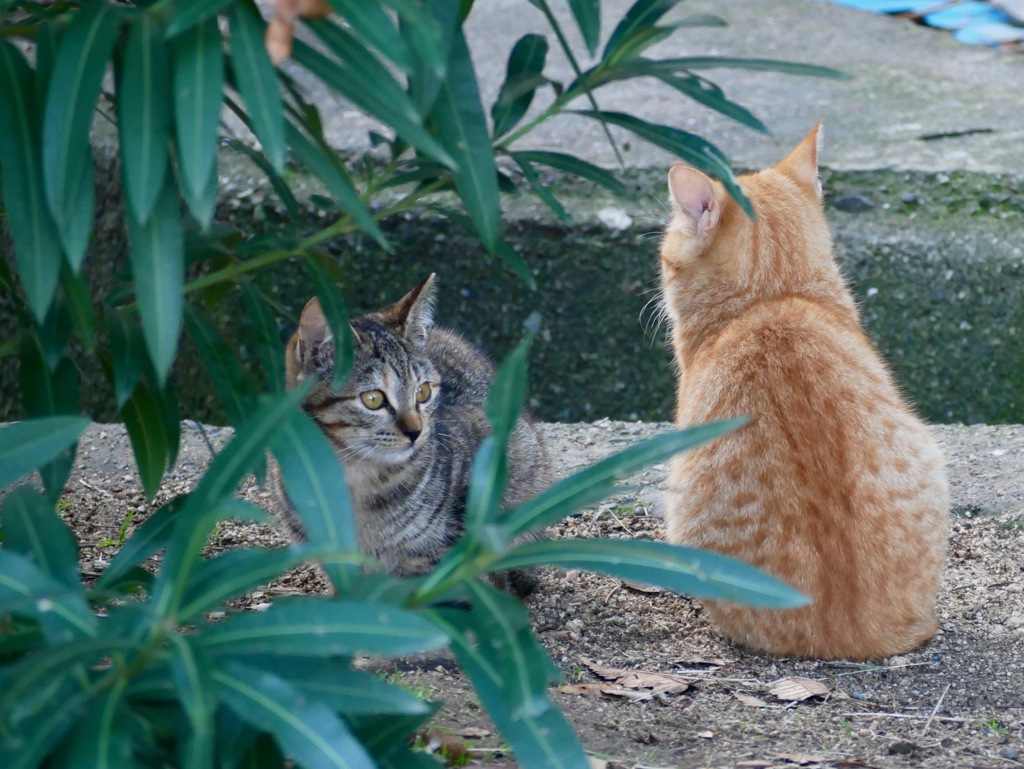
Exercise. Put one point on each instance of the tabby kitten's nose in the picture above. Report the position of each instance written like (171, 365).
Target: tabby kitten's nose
(411, 426)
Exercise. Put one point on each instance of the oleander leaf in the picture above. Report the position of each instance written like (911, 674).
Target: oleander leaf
(144, 116)
(696, 573)
(26, 446)
(37, 248)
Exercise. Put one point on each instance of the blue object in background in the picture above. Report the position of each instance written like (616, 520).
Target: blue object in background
(971, 21)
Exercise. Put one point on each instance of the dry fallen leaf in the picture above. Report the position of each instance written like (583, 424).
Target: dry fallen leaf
(751, 700)
(654, 683)
(606, 690)
(281, 29)
(754, 764)
(798, 689)
(801, 759)
(597, 763)
(706, 735)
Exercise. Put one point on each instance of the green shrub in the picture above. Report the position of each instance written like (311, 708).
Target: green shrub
(129, 671)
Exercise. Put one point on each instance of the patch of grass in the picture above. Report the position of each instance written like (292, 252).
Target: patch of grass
(625, 510)
(62, 506)
(399, 678)
(847, 727)
(1014, 524)
(121, 533)
(992, 725)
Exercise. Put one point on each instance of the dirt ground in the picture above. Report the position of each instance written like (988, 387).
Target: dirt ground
(957, 702)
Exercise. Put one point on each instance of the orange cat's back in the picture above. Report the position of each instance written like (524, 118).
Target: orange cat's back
(835, 486)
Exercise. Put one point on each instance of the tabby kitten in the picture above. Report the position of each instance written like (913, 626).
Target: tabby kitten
(405, 428)
(835, 486)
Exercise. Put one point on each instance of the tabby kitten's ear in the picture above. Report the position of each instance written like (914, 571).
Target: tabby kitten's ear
(315, 348)
(413, 314)
(801, 165)
(694, 195)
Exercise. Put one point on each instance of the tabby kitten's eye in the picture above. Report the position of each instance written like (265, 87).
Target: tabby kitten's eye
(423, 392)
(372, 399)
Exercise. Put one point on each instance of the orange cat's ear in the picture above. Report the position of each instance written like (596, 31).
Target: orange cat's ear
(801, 165)
(694, 196)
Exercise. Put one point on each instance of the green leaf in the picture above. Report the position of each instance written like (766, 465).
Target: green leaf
(41, 733)
(490, 465)
(461, 124)
(26, 446)
(195, 519)
(588, 18)
(315, 627)
(198, 85)
(386, 736)
(70, 100)
(573, 165)
(191, 672)
(36, 245)
(371, 22)
(307, 731)
(257, 80)
(315, 487)
(284, 193)
(539, 742)
(595, 482)
(234, 388)
(711, 96)
(264, 753)
(487, 478)
(188, 13)
(357, 75)
(103, 739)
(144, 116)
(333, 305)
(697, 573)
(127, 349)
(32, 528)
(640, 18)
(525, 64)
(61, 611)
(542, 192)
(268, 338)
(158, 266)
(429, 31)
(215, 580)
(764, 65)
(45, 394)
(76, 291)
(344, 690)
(150, 442)
(693, 149)
(324, 164)
(503, 628)
(152, 535)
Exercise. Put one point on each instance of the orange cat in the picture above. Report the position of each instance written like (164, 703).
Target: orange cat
(835, 486)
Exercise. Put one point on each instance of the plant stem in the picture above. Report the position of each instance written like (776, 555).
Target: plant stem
(546, 10)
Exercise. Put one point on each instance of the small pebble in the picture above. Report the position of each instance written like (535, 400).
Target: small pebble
(1009, 753)
(854, 204)
(908, 197)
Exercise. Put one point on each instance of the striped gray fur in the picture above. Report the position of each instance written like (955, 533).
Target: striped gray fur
(407, 463)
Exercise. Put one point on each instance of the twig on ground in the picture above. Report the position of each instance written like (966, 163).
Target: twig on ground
(867, 714)
(935, 710)
(96, 489)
